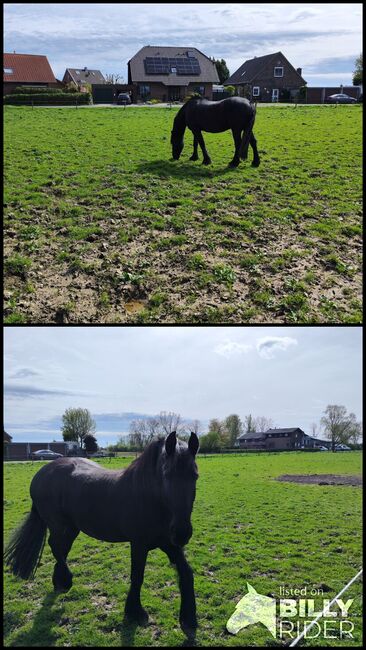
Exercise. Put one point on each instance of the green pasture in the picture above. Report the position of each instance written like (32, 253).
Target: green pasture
(247, 527)
(101, 226)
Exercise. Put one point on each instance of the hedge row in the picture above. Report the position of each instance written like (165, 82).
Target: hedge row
(49, 98)
(33, 90)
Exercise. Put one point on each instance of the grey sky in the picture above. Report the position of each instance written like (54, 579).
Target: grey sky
(289, 374)
(322, 38)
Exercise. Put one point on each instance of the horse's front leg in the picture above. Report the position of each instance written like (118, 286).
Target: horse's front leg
(253, 144)
(187, 615)
(194, 156)
(133, 608)
(201, 142)
(237, 140)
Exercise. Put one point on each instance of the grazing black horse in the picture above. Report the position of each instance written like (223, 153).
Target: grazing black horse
(235, 113)
(149, 504)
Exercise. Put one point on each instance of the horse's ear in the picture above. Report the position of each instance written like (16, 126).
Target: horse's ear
(193, 443)
(170, 443)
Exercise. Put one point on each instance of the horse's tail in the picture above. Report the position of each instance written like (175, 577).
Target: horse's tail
(243, 151)
(24, 550)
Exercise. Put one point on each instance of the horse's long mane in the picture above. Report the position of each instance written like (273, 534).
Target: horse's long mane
(147, 461)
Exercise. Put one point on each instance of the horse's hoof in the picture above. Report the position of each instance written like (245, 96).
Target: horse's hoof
(206, 162)
(139, 616)
(189, 629)
(233, 164)
(255, 163)
(193, 158)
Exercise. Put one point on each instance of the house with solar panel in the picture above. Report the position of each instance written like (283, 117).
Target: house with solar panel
(169, 74)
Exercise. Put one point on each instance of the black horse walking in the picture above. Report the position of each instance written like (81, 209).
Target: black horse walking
(149, 504)
(235, 113)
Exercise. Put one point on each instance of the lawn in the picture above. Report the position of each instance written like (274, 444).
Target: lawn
(248, 527)
(101, 226)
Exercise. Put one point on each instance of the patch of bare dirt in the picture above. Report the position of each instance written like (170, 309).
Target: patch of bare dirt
(322, 479)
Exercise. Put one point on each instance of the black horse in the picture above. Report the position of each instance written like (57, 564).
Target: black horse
(235, 113)
(149, 504)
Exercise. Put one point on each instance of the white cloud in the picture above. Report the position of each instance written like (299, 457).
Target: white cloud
(231, 348)
(269, 345)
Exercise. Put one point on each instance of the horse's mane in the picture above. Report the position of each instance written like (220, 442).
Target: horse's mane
(147, 461)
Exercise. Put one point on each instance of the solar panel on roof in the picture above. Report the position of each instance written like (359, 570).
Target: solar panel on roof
(164, 65)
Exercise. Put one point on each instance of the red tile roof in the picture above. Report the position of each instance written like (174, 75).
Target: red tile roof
(28, 68)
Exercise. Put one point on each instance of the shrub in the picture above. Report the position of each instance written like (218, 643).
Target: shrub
(33, 90)
(62, 99)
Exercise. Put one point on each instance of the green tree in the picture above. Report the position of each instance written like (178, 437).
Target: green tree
(339, 426)
(210, 442)
(358, 71)
(222, 69)
(234, 428)
(77, 424)
(230, 90)
(249, 424)
(90, 444)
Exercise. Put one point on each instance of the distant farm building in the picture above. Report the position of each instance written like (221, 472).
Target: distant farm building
(269, 78)
(170, 73)
(27, 70)
(23, 450)
(318, 95)
(280, 439)
(83, 76)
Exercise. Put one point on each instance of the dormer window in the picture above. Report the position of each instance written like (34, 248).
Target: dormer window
(278, 72)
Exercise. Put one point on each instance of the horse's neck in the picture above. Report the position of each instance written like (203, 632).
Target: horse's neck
(180, 121)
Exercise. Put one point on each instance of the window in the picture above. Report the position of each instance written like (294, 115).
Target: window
(8, 70)
(278, 72)
(173, 70)
(144, 91)
(256, 90)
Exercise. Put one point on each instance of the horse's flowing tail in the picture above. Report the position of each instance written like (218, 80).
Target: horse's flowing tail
(243, 151)
(25, 547)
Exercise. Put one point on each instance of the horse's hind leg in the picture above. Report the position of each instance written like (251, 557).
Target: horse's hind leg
(60, 540)
(253, 144)
(133, 608)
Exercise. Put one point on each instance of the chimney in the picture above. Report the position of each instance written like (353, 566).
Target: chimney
(299, 71)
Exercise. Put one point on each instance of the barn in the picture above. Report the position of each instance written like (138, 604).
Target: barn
(280, 439)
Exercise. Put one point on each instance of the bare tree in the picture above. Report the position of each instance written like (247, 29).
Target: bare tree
(249, 424)
(262, 423)
(339, 426)
(112, 78)
(170, 421)
(196, 427)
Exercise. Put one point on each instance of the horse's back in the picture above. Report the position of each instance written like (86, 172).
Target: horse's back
(232, 112)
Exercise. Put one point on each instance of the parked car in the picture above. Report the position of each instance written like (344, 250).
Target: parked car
(322, 448)
(340, 98)
(342, 447)
(124, 98)
(99, 454)
(45, 454)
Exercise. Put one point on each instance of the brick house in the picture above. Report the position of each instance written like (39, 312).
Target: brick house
(269, 78)
(27, 70)
(170, 73)
(280, 439)
(83, 76)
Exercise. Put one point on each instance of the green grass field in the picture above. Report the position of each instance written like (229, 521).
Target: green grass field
(101, 226)
(248, 527)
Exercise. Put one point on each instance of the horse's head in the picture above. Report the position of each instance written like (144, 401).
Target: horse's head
(177, 143)
(180, 474)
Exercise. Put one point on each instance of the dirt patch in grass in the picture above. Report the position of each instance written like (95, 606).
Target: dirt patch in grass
(322, 479)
